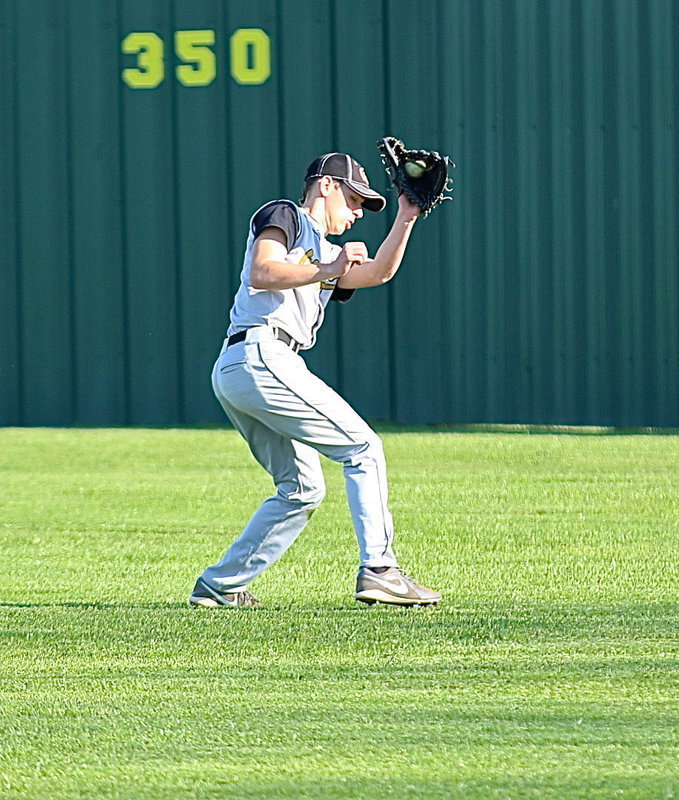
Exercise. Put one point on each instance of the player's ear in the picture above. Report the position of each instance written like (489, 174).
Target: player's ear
(325, 185)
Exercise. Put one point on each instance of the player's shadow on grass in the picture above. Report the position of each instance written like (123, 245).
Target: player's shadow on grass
(100, 606)
(265, 609)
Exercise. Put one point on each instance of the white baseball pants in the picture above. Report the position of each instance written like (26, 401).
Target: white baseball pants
(288, 416)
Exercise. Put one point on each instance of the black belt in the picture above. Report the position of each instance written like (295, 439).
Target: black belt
(278, 333)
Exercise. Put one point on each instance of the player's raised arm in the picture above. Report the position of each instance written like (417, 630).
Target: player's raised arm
(382, 268)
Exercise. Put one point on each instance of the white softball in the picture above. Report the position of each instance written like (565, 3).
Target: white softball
(415, 169)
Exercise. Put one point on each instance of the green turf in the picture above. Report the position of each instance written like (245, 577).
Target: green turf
(549, 672)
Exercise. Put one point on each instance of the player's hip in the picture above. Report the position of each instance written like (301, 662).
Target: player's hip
(244, 365)
(266, 379)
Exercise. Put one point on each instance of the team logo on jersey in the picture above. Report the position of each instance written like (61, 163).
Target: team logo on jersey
(308, 258)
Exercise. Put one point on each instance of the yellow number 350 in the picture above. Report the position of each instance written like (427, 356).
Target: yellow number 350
(250, 58)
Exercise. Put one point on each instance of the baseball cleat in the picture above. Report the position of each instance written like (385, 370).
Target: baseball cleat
(207, 597)
(392, 586)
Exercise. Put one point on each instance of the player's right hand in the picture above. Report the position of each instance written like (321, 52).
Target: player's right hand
(352, 254)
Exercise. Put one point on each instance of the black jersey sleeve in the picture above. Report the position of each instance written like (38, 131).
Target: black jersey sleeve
(278, 214)
(340, 295)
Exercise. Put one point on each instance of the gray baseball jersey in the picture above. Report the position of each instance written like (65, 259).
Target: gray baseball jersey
(300, 311)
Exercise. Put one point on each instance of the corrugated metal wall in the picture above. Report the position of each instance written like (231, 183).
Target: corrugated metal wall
(546, 292)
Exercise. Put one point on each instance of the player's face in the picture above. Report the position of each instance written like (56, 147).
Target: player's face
(342, 207)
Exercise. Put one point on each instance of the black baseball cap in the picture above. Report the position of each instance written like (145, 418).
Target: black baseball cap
(344, 168)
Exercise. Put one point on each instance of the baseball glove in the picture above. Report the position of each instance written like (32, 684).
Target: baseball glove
(421, 174)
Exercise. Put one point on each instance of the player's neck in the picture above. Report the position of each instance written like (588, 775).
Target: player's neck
(315, 211)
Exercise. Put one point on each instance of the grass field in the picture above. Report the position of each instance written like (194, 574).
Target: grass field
(550, 670)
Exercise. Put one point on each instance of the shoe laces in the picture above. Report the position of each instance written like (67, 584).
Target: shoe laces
(406, 574)
(248, 599)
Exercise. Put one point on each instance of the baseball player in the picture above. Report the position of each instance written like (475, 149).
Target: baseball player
(287, 414)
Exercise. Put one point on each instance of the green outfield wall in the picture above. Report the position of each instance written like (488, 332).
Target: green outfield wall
(138, 136)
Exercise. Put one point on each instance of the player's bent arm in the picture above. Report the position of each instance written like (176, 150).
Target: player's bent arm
(269, 270)
(382, 268)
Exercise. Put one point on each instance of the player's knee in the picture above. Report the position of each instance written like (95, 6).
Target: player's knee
(307, 497)
(370, 449)
(313, 497)
(374, 446)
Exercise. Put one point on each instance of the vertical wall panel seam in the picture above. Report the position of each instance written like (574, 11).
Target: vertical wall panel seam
(16, 131)
(672, 314)
(673, 287)
(594, 217)
(610, 288)
(648, 347)
(543, 349)
(657, 89)
(70, 215)
(230, 257)
(180, 385)
(669, 351)
(473, 343)
(124, 244)
(335, 146)
(496, 378)
(442, 83)
(562, 229)
(391, 298)
(524, 79)
(633, 291)
(282, 143)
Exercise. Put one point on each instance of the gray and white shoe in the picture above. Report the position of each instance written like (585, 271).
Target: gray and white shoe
(207, 597)
(392, 586)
